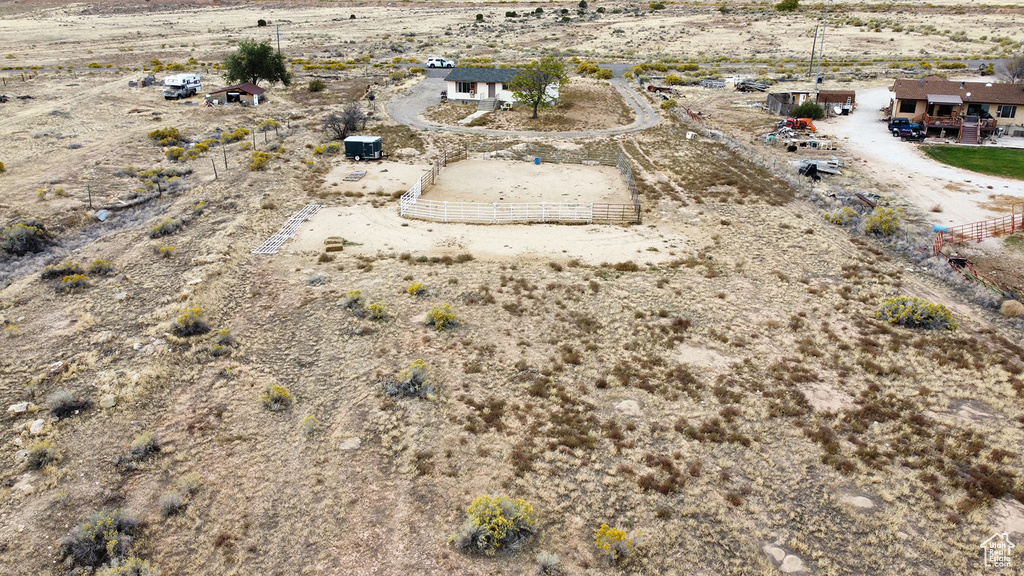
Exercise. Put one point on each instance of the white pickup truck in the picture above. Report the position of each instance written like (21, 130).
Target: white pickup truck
(180, 86)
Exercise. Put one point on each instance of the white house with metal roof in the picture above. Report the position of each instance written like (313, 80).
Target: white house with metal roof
(479, 84)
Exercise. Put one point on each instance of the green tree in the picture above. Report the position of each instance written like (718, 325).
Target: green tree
(255, 61)
(532, 83)
(788, 5)
(808, 110)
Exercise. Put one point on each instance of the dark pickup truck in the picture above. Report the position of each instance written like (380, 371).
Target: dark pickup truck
(897, 124)
(908, 134)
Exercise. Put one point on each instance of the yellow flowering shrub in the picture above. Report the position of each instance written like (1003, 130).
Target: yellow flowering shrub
(914, 312)
(614, 543)
(442, 317)
(495, 523)
(883, 221)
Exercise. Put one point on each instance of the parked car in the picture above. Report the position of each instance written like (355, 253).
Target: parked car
(908, 134)
(436, 62)
(897, 123)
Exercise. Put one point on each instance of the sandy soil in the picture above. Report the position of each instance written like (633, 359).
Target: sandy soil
(507, 181)
(379, 231)
(722, 385)
(384, 176)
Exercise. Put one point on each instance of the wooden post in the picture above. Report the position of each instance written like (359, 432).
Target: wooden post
(89, 190)
(214, 162)
(224, 149)
(254, 140)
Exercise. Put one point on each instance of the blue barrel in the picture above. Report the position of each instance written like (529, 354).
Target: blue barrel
(536, 161)
(939, 228)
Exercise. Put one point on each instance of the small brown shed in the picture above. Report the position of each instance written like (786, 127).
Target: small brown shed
(247, 93)
(845, 99)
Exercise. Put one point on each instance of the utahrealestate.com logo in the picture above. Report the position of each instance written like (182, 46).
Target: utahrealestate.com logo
(998, 550)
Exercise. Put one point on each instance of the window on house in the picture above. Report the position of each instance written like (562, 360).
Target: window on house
(463, 87)
(908, 106)
(1006, 111)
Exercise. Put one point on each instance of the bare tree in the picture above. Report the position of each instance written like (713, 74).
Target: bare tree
(1012, 70)
(339, 126)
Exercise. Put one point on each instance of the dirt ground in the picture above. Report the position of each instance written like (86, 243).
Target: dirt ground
(714, 379)
(510, 181)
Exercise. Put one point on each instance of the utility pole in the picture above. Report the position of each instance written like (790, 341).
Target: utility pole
(821, 52)
(278, 38)
(814, 46)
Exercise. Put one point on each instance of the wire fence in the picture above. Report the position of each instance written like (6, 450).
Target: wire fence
(411, 205)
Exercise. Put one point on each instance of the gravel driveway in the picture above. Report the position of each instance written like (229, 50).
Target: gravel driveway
(902, 167)
(408, 108)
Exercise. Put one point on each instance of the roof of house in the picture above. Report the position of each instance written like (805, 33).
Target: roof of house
(836, 96)
(247, 87)
(982, 92)
(481, 75)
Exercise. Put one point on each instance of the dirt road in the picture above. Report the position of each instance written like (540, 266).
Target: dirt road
(961, 194)
(408, 109)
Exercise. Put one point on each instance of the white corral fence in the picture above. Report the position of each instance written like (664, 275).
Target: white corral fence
(412, 206)
(501, 213)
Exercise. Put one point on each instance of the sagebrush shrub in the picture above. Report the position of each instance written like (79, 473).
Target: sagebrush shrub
(442, 317)
(175, 153)
(276, 397)
(171, 503)
(495, 524)
(414, 381)
(842, 217)
(416, 288)
(105, 538)
(62, 404)
(316, 85)
(222, 343)
(41, 453)
(547, 563)
(613, 543)
(166, 227)
(165, 251)
(61, 270)
(2, 168)
(669, 104)
(190, 323)
(74, 282)
(145, 445)
(235, 136)
(101, 267)
(310, 425)
(24, 237)
(166, 136)
(189, 484)
(914, 312)
(260, 160)
(353, 299)
(883, 221)
(377, 311)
